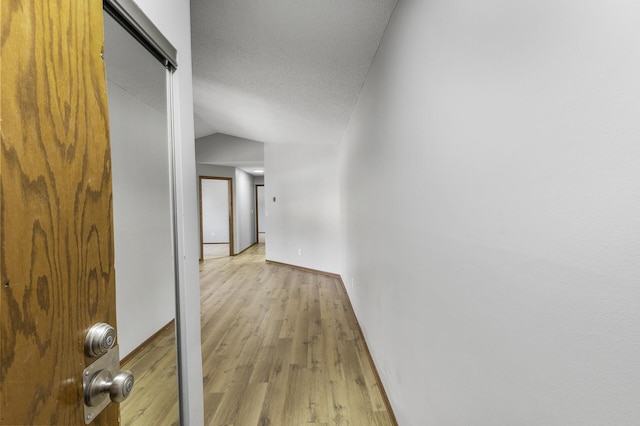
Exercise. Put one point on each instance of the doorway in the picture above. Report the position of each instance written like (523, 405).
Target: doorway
(216, 217)
(261, 225)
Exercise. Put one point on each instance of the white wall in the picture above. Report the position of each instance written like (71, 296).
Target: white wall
(173, 19)
(228, 150)
(491, 203)
(216, 171)
(305, 216)
(145, 285)
(215, 211)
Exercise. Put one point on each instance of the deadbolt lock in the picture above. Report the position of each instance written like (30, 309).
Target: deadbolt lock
(100, 338)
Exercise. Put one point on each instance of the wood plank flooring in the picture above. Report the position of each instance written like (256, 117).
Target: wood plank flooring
(280, 346)
(215, 250)
(154, 399)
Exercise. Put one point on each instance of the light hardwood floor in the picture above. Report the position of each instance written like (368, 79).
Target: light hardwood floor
(154, 399)
(280, 347)
(215, 250)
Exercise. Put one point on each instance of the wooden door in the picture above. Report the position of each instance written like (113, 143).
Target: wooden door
(56, 232)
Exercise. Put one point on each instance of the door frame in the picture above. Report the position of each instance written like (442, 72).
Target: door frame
(257, 212)
(231, 220)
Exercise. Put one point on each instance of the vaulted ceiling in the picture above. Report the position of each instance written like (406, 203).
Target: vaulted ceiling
(282, 71)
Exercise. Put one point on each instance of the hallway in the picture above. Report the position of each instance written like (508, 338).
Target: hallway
(280, 346)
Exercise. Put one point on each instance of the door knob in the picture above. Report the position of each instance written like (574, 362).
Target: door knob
(103, 383)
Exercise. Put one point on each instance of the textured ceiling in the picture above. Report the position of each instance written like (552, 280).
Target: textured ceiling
(282, 70)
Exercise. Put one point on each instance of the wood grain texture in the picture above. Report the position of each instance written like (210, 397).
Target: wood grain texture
(56, 236)
(281, 346)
